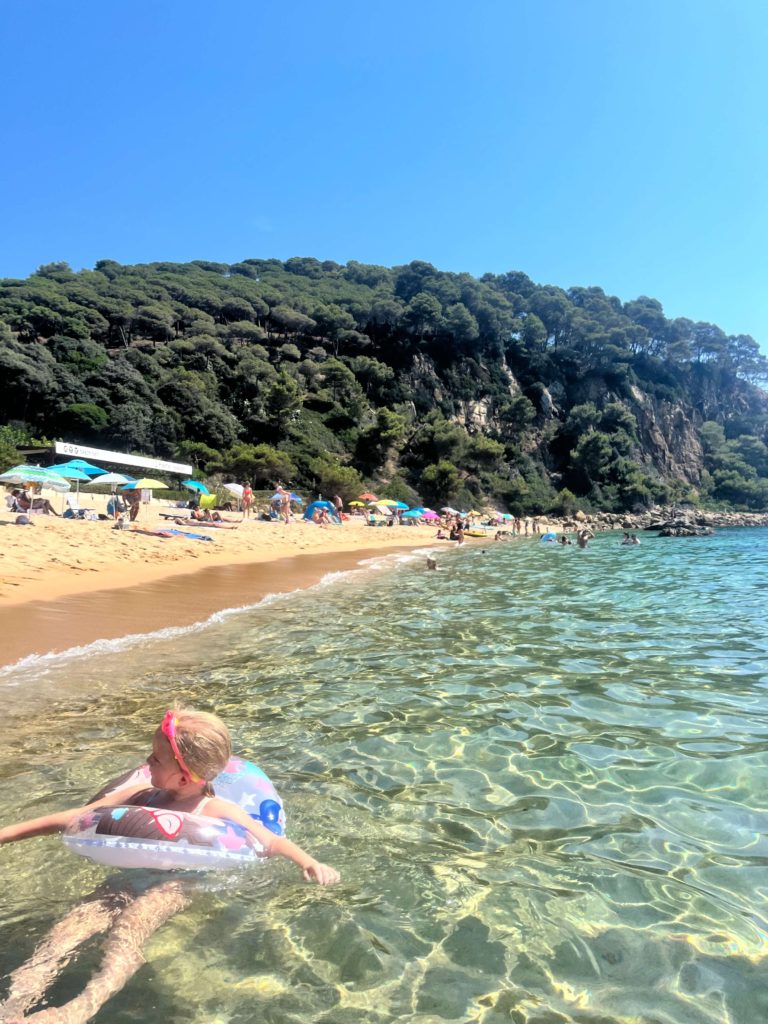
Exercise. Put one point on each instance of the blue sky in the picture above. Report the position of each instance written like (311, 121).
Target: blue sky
(586, 143)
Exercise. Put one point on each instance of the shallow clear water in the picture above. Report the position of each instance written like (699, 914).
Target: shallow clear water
(541, 772)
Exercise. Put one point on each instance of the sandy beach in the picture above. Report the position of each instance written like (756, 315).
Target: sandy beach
(68, 582)
(65, 582)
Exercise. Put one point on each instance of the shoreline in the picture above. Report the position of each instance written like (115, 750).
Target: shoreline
(66, 583)
(173, 600)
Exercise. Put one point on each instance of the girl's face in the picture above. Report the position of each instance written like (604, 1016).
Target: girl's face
(164, 771)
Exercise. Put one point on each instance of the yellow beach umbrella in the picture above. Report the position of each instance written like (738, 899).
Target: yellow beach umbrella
(386, 501)
(357, 503)
(146, 483)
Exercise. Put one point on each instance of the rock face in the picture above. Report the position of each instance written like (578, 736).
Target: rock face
(668, 439)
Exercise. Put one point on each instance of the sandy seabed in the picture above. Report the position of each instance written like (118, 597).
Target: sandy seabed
(67, 582)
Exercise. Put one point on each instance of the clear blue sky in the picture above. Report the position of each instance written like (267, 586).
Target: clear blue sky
(586, 143)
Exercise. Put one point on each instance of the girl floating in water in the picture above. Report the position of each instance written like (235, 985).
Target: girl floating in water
(189, 749)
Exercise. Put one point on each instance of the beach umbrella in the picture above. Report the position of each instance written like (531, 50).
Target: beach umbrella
(195, 485)
(401, 505)
(70, 473)
(429, 514)
(386, 501)
(413, 513)
(361, 503)
(367, 496)
(23, 474)
(234, 489)
(113, 478)
(83, 466)
(146, 483)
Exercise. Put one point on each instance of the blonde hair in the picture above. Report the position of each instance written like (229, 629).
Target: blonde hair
(204, 743)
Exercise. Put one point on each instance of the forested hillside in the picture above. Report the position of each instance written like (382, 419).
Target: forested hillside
(429, 384)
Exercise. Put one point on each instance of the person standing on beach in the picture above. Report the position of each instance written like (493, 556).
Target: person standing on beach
(247, 499)
(133, 498)
(338, 505)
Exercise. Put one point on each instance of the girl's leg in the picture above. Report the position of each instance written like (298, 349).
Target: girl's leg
(30, 981)
(122, 954)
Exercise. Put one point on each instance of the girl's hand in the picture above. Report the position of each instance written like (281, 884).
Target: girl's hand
(322, 873)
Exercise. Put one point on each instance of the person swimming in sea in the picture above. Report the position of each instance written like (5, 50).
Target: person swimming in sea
(189, 749)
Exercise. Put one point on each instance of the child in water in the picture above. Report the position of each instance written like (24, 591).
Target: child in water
(189, 749)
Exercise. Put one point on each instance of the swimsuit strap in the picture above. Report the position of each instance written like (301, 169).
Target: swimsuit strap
(146, 797)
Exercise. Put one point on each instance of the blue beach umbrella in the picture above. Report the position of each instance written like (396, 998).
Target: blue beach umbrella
(195, 485)
(83, 466)
(69, 472)
(400, 505)
(413, 513)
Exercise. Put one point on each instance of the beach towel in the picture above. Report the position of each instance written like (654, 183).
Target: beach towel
(182, 533)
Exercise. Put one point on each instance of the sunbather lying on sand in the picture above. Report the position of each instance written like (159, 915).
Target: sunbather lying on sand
(209, 525)
(204, 515)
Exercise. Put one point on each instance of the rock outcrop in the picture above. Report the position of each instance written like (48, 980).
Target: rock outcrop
(669, 521)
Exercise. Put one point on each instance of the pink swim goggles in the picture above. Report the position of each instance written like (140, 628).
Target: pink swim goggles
(168, 727)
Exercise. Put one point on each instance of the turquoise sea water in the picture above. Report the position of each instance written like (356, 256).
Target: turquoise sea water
(541, 772)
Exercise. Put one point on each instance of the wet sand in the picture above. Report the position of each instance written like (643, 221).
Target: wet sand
(39, 627)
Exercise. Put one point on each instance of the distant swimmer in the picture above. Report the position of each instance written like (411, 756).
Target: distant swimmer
(583, 537)
(431, 563)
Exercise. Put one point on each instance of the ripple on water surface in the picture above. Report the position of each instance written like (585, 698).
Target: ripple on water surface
(541, 772)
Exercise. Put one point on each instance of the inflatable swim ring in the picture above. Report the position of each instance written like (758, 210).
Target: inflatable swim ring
(148, 837)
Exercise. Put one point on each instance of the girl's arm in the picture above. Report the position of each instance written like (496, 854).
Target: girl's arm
(274, 845)
(57, 822)
(44, 826)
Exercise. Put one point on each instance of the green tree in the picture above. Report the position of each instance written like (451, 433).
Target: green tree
(440, 481)
(260, 463)
(332, 477)
(423, 315)
(283, 397)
